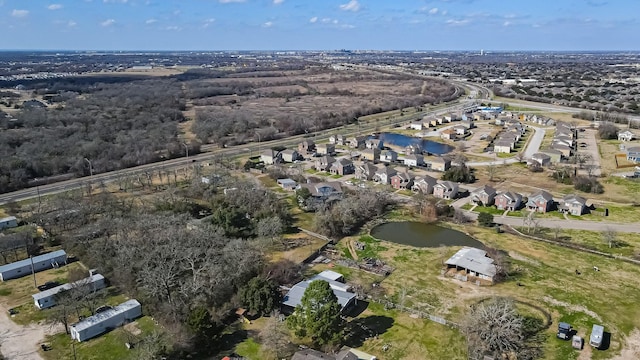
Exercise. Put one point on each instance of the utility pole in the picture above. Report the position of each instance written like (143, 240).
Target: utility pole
(33, 272)
(259, 138)
(186, 150)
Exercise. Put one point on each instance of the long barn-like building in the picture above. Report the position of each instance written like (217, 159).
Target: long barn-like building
(102, 322)
(47, 298)
(24, 267)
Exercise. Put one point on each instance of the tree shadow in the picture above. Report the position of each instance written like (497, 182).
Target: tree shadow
(361, 329)
(229, 341)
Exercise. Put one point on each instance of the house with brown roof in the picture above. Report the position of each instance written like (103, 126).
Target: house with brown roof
(370, 154)
(540, 201)
(448, 134)
(402, 180)
(508, 201)
(445, 190)
(324, 163)
(342, 167)
(483, 195)
(424, 184)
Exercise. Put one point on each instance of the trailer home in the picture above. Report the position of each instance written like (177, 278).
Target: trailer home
(24, 267)
(596, 336)
(107, 320)
(47, 298)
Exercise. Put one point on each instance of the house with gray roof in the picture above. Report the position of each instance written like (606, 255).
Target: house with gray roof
(508, 201)
(540, 158)
(384, 174)
(483, 195)
(38, 263)
(445, 190)
(293, 298)
(342, 167)
(424, 184)
(474, 262)
(366, 171)
(540, 201)
(573, 204)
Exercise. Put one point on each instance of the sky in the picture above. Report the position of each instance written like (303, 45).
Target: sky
(559, 25)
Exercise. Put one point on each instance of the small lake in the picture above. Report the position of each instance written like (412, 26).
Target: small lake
(432, 147)
(422, 235)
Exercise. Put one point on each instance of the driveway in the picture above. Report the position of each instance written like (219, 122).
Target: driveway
(19, 342)
(532, 147)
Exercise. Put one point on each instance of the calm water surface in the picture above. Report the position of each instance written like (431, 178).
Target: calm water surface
(422, 235)
(432, 147)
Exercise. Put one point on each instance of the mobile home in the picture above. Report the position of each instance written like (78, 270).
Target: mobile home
(596, 336)
(102, 322)
(24, 267)
(47, 298)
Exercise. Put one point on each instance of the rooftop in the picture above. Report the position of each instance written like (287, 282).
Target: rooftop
(27, 262)
(64, 287)
(105, 315)
(474, 260)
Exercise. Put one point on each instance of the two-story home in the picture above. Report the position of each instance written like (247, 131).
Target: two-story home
(448, 134)
(414, 160)
(365, 171)
(374, 144)
(573, 204)
(324, 163)
(633, 154)
(289, 155)
(460, 130)
(356, 142)
(483, 195)
(338, 139)
(424, 184)
(440, 164)
(502, 146)
(270, 157)
(508, 201)
(370, 154)
(540, 201)
(307, 147)
(388, 156)
(418, 125)
(402, 180)
(342, 167)
(325, 149)
(445, 190)
(383, 175)
(413, 149)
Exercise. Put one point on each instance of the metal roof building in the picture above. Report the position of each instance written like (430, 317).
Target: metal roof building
(345, 298)
(41, 262)
(107, 320)
(47, 298)
(475, 262)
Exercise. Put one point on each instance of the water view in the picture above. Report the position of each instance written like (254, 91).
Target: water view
(432, 147)
(422, 235)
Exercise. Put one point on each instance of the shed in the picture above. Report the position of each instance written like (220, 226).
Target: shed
(41, 262)
(287, 184)
(47, 298)
(106, 320)
(475, 262)
(597, 333)
(332, 275)
(8, 222)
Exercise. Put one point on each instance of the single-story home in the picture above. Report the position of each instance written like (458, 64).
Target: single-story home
(25, 267)
(287, 184)
(8, 222)
(100, 323)
(626, 136)
(502, 146)
(541, 158)
(47, 298)
(324, 190)
(294, 296)
(474, 262)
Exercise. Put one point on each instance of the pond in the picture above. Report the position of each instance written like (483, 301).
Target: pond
(422, 235)
(432, 147)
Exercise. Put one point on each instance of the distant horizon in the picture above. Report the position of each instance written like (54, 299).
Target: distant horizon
(486, 51)
(466, 25)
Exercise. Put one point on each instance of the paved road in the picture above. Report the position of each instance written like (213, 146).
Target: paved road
(532, 147)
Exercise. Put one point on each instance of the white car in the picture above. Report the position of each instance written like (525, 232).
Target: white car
(349, 182)
(362, 185)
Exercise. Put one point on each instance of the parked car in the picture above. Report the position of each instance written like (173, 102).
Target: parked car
(48, 285)
(564, 331)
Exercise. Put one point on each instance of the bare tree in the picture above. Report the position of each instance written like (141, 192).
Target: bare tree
(492, 171)
(610, 237)
(275, 337)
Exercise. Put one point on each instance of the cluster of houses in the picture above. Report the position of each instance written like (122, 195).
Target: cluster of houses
(564, 140)
(633, 152)
(465, 124)
(540, 201)
(512, 132)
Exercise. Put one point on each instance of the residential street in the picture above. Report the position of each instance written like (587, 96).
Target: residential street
(532, 148)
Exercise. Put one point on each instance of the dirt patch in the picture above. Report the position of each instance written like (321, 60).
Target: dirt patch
(632, 348)
(576, 308)
(517, 256)
(19, 342)
(133, 328)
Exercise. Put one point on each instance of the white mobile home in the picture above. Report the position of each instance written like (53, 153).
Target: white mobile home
(8, 222)
(47, 298)
(41, 262)
(597, 334)
(102, 322)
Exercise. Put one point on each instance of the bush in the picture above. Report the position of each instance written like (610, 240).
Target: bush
(607, 131)
(485, 219)
(459, 174)
(587, 184)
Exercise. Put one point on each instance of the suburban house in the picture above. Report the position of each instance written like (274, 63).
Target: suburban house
(374, 144)
(289, 155)
(25, 267)
(633, 154)
(565, 150)
(460, 130)
(573, 204)
(270, 157)
(100, 323)
(418, 125)
(356, 142)
(46, 299)
(342, 167)
(626, 136)
(502, 146)
(424, 184)
(388, 156)
(324, 190)
(448, 134)
(445, 190)
(8, 222)
(370, 154)
(413, 149)
(508, 201)
(468, 124)
(434, 122)
(287, 184)
(451, 117)
(564, 140)
(307, 147)
(325, 149)
(324, 163)
(440, 164)
(541, 158)
(344, 354)
(338, 139)
(414, 160)
(483, 195)
(555, 155)
(541, 202)
(474, 263)
(341, 290)
(384, 174)
(402, 180)
(366, 171)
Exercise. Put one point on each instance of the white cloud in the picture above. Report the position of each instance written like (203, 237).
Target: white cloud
(208, 22)
(151, 21)
(54, 7)
(16, 13)
(457, 22)
(230, 1)
(313, 20)
(506, 23)
(326, 20)
(71, 23)
(173, 28)
(352, 5)
(108, 22)
(268, 24)
(277, 2)
(115, 1)
(444, 12)
(433, 11)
